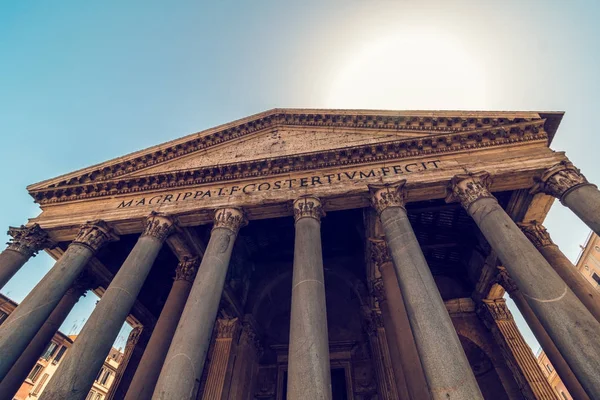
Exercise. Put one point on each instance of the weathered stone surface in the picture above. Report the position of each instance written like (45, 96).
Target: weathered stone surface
(77, 371)
(182, 369)
(555, 305)
(308, 366)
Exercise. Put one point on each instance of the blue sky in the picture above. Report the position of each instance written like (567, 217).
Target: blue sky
(83, 82)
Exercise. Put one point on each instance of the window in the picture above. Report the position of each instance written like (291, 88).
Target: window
(596, 278)
(98, 397)
(563, 393)
(38, 388)
(3, 316)
(549, 368)
(90, 395)
(59, 355)
(100, 374)
(105, 378)
(35, 372)
(50, 350)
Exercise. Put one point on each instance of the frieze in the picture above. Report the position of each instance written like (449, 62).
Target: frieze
(94, 235)
(28, 240)
(311, 181)
(106, 182)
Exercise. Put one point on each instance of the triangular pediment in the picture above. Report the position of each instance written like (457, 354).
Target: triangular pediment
(277, 135)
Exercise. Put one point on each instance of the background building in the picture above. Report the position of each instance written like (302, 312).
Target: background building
(47, 364)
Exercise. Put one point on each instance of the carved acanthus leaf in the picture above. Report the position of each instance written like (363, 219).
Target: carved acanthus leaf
(378, 290)
(559, 180)
(186, 269)
(230, 218)
(226, 327)
(308, 207)
(379, 252)
(467, 188)
(388, 195)
(158, 226)
(94, 235)
(506, 281)
(28, 240)
(498, 310)
(537, 234)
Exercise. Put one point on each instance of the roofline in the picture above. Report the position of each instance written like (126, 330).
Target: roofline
(551, 126)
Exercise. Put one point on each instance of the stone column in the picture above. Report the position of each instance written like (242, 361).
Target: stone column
(567, 183)
(540, 238)
(398, 324)
(148, 370)
(245, 370)
(217, 381)
(182, 370)
(24, 244)
(309, 375)
(571, 326)
(18, 373)
(446, 368)
(76, 373)
(517, 353)
(27, 319)
(382, 357)
(557, 360)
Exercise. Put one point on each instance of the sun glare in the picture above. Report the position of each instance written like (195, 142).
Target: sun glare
(414, 69)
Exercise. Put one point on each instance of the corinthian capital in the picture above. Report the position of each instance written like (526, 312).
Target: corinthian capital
(537, 234)
(559, 180)
(379, 252)
(308, 207)
(388, 195)
(506, 281)
(226, 327)
(230, 218)
(28, 240)
(94, 235)
(468, 188)
(158, 226)
(186, 269)
(497, 310)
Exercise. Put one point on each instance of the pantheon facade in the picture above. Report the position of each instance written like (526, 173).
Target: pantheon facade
(306, 254)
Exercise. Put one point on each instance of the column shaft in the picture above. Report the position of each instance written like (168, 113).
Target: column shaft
(27, 319)
(405, 341)
(517, 353)
(568, 184)
(245, 369)
(398, 378)
(572, 327)
(18, 373)
(181, 373)
(557, 360)
(148, 370)
(76, 373)
(219, 370)
(25, 243)
(309, 375)
(540, 238)
(382, 361)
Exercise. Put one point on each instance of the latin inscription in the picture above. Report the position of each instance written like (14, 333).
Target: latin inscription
(283, 184)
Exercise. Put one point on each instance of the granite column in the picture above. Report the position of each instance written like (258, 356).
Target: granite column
(27, 319)
(148, 370)
(76, 373)
(446, 368)
(398, 325)
(18, 373)
(567, 183)
(562, 368)
(181, 373)
(309, 375)
(540, 238)
(571, 326)
(24, 244)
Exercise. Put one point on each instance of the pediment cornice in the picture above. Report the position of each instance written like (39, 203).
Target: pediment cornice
(441, 134)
